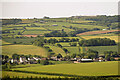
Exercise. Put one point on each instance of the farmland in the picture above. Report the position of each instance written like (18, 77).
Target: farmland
(102, 36)
(81, 69)
(23, 49)
(97, 32)
(100, 49)
(50, 47)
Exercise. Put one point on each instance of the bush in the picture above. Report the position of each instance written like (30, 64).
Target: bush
(59, 45)
(44, 62)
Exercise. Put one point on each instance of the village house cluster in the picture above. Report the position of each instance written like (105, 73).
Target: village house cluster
(35, 60)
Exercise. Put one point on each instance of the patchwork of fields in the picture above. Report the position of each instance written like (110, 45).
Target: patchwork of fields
(16, 39)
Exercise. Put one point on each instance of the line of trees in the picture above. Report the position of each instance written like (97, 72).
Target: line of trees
(42, 41)
(64, 78)
(109, 55)
(10, 21)
(97, 42)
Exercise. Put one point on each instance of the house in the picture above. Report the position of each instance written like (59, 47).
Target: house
(35, 58)
(117, 58)
(76, 62)
(11, 60)
(101, 59)
(86, 60)
(22, 59)
(43, 58)
(96, 59)
(104, 29)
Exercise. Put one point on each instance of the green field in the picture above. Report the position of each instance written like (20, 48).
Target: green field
(19, 40)
(46, 27)
(57, 50)
(100, 49)
(21, 75)
(80, 69)
(36, 32)
(23, 49)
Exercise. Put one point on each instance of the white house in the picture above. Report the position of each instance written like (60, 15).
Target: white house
(12, 61)
(21, 60)
(86, 60)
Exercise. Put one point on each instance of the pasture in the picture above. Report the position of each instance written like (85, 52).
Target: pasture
(57, 50)
(80, 69)
(100, 49)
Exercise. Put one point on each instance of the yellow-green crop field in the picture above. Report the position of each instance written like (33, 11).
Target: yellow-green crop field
(21, 75)
(57, 50)
(111, 37)
(80, 69)
(23, 49)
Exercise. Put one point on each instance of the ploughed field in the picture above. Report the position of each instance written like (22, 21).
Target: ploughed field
(97, 32)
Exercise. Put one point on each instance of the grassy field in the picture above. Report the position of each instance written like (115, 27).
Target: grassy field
(4, 42)
(100, 49)
(21, 75)
(18, 40)
(46, 27)
(81, 69)
(23, 49)
(38, 32)
(57, 50)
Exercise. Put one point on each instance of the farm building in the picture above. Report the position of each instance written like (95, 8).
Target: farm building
(86, 60)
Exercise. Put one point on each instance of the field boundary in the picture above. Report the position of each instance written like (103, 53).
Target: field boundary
(58, 74)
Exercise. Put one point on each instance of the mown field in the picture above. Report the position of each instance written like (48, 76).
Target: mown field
(80, 69)
(23, 49)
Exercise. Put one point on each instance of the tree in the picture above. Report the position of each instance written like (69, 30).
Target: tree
(15, 56)
(44, 62)
(97, 42)
(10, 21)
(66, 51)
(92, 53)
(73, 44)
(67, 57)
(73, 55)
(39, 42)
(59, 45)
(59, 56)
(18, 33)
(7, 66)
